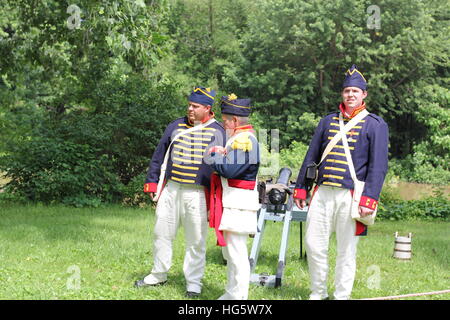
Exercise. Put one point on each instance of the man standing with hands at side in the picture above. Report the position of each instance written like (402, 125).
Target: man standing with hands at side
(330, 205)
(179, 179)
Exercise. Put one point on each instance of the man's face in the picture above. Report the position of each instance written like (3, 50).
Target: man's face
(197, 112)
(228, 122)
(353, 97)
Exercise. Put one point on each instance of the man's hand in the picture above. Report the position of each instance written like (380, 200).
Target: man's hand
(152, 195)
(363, 211)
(217, 149)
(300, 203)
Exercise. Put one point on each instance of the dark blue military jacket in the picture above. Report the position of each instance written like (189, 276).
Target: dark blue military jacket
(368, 143)
(242, 160)
(186, 162)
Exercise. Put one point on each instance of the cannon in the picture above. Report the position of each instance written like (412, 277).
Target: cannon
(277, 204)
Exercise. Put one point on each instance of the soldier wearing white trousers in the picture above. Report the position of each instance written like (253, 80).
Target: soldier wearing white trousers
(329, 212)
(234, 202)
(180, 204)
(178, 160)
(348, 170)
(236, 225)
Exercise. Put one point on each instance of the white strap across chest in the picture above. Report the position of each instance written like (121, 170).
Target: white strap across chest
(346, 148)
(166, 157)
(343, 132)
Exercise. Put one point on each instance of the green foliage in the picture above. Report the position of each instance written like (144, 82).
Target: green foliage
(290, 56)
(430, 160)
(433, 207)
(301, 128)
(128, 121)
(49, 169)
(11, 198)
(393, 207)
(133, 195)
(53, 64)
(419, 167)
(83, 107)
(89, 156)
(106, 83)
(295, 49)
(82, 200)
(293, 156)
(205, 35)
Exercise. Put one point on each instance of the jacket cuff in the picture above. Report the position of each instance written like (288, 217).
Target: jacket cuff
(368, 202)
(150, 187)
(300, 194)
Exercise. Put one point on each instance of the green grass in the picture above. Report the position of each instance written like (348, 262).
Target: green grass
(43, 247)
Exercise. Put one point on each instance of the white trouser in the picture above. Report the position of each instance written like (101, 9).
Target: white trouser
(238, 266)
(185, 204)
(329, 212)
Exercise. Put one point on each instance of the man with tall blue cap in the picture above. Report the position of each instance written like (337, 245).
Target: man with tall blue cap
(178, 178)
(234, 195)
(348, 155)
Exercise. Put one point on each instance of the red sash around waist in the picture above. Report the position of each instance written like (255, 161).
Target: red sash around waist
(216, 208)
(215, 203)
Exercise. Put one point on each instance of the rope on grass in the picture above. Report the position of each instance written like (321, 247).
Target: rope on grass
(409, 295)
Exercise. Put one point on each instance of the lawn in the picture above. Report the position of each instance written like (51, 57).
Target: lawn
(68, 253)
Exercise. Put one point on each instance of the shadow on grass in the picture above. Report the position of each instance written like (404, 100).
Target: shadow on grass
(214, 256)
(175, 287)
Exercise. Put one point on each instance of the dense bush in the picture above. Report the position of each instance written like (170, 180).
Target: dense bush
(392, 207)
(85, 157)
(82, 107)
(293, 156)
(133, 194)
(51, 169)
(418, 167)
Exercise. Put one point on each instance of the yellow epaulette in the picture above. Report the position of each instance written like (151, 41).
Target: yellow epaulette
(242, 142)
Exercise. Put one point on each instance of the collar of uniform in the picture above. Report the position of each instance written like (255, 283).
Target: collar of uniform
(245, 128)
(206, 119)
(355, 111)
(209, 116)
(186, 121)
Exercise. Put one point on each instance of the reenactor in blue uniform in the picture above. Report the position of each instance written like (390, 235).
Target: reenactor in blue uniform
(234, 195)
(330, 209)
(179, 179)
